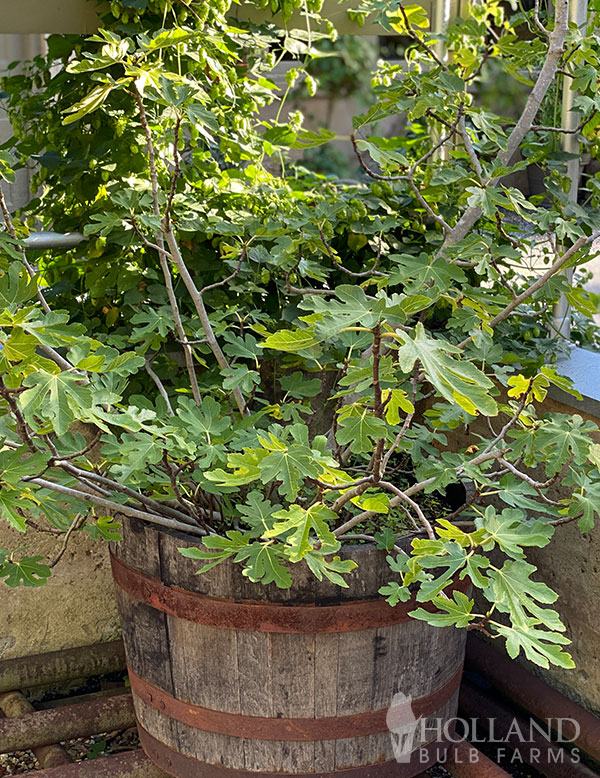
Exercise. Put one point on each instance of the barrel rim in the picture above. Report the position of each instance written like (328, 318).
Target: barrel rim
(265, 616)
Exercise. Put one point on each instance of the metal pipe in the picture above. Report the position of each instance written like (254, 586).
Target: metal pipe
(466, 761)
(440, 13)
(131, 764)
(533, 694)
(14, 705)
(41, 728)
(560, 325)
(513, 731)
(440, 18)
(57, 666)
(53, 240)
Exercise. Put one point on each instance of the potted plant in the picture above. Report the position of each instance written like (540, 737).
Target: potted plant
(275, 394)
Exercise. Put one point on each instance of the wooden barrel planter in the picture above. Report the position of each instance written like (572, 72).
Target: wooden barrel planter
(232, 679)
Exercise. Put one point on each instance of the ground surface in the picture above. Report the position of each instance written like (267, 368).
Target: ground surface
(89, 748)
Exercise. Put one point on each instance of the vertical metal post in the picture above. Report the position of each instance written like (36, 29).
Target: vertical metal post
(561, 315)
(440, 17)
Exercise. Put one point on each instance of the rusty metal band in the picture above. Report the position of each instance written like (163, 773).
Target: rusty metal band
(351, 616)
(293, 729)
(183, 766)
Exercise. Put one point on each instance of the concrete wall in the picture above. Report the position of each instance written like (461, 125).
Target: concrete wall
(76, 608)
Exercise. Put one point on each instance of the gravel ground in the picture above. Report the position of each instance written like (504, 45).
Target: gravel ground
(111, 743)
(89, 748)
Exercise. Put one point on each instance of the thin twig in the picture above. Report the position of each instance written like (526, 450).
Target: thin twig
(436, 217)
(78, 522)
(536, 19)
(414, 489)
(47, 530)
(414, 505)
(86, 449)
(418, 42)
(366, 168)
(153, 505)
(409, 179)
(471, 501)
(338, 265)
(22, 427)
(170, 470)
(580, 126)
(566, 520)
(229, 277)
(159, 384)
(405, 425)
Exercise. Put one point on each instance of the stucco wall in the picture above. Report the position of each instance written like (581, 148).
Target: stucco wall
(76, 608)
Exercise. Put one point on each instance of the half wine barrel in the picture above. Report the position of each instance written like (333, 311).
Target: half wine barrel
(233, 679)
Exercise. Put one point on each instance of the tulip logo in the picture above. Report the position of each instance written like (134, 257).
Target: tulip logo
(404, 728)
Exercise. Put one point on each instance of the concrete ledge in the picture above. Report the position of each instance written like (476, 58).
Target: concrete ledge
(583, 368)
(80, 16)
(47, 16)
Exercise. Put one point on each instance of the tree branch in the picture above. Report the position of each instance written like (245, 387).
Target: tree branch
(547, 73)
(580, 243)
(203, 315)
(163, 256)
(404, 497)
(116, 508)
(153, 505)
(414, 489)
(462, 128)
